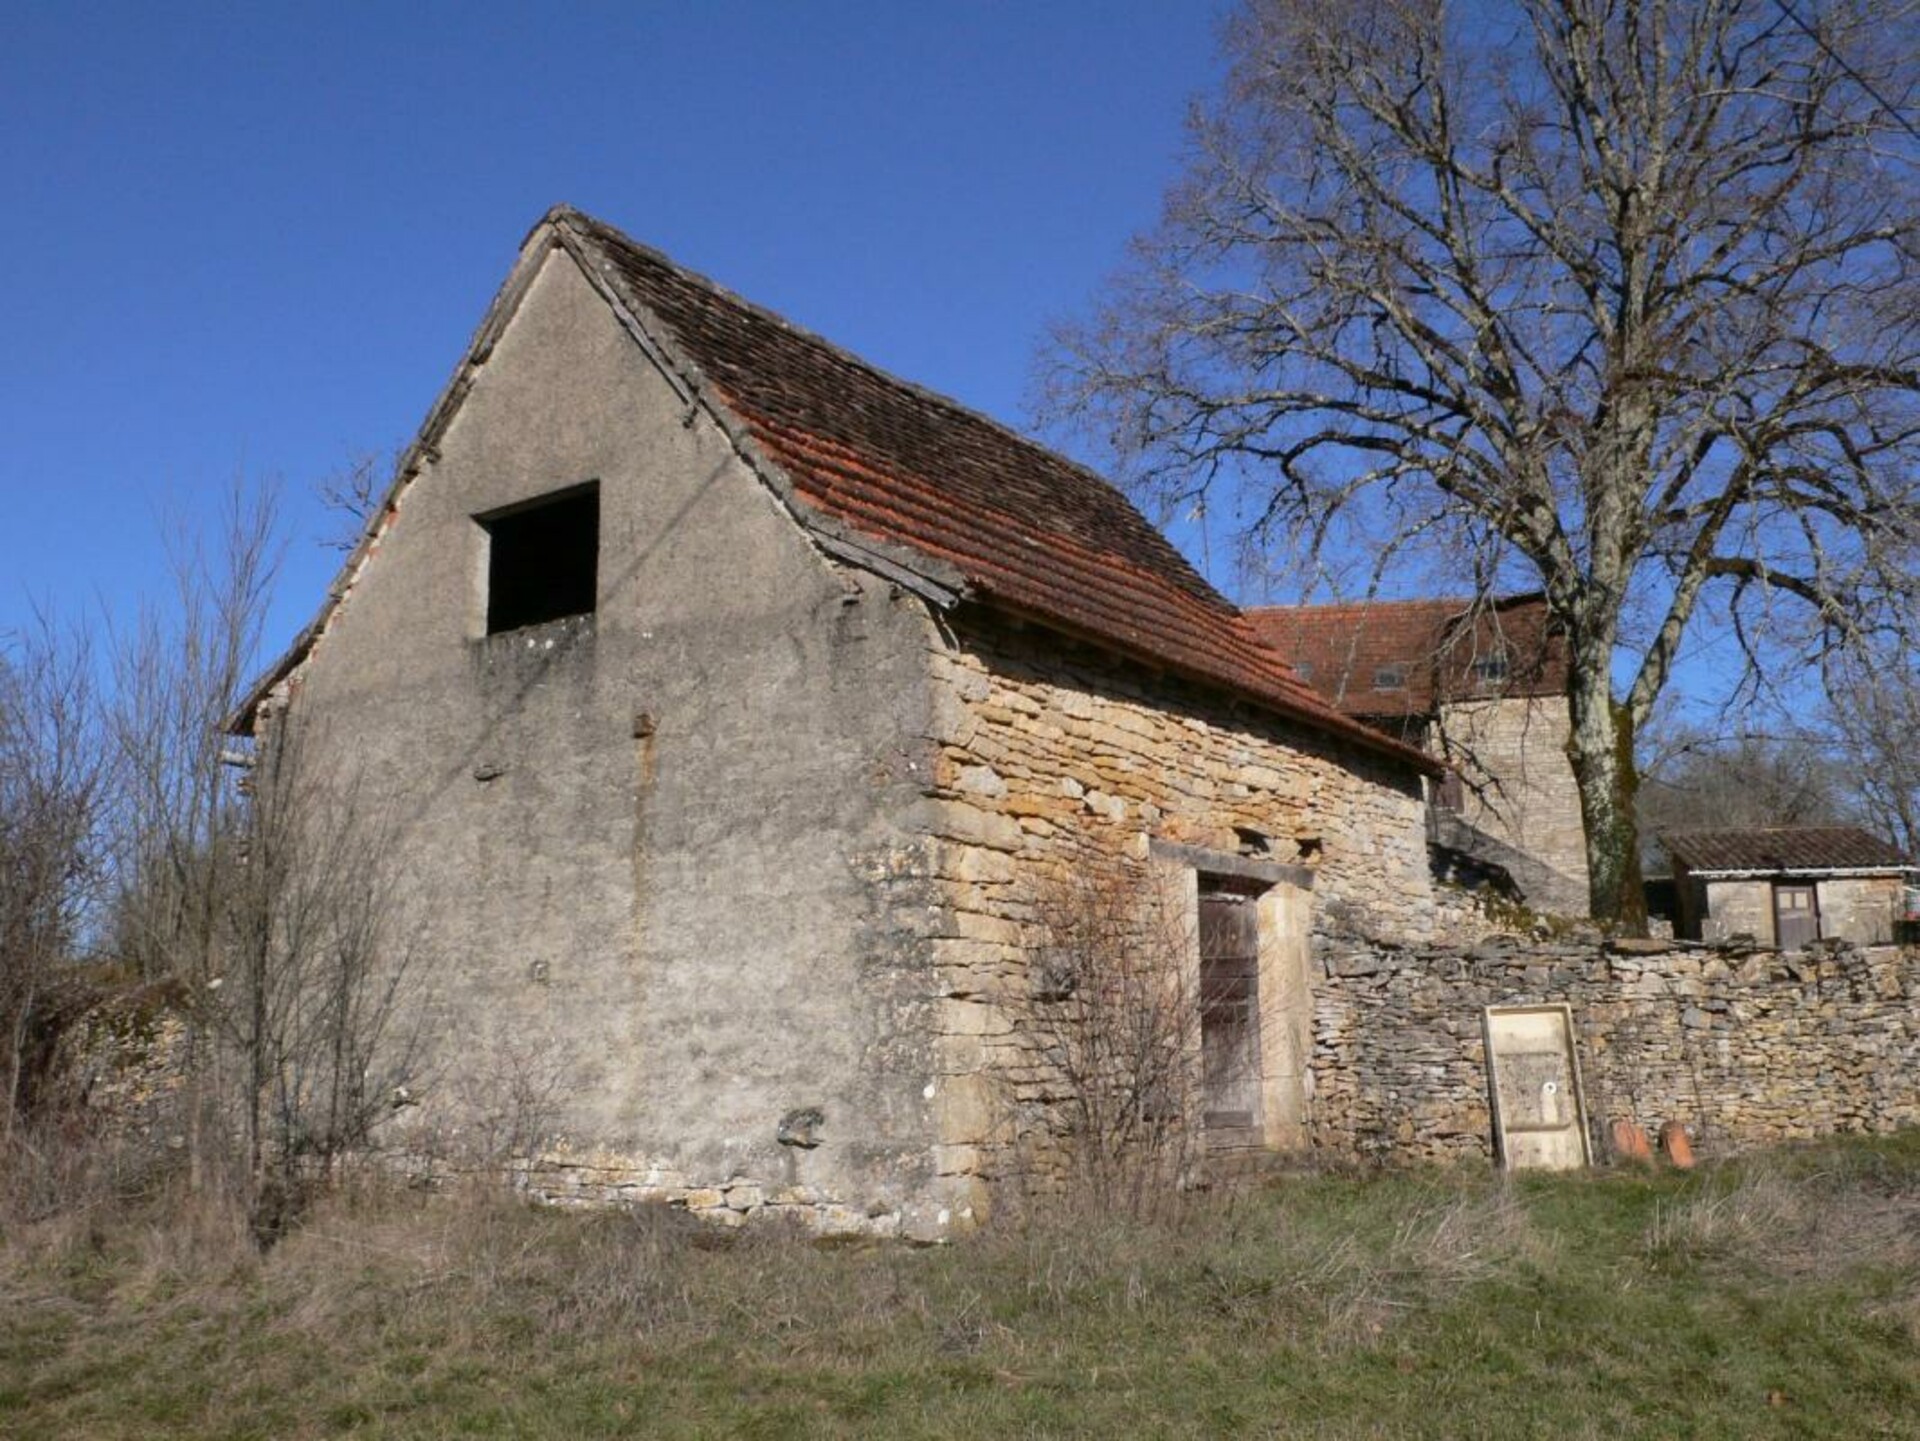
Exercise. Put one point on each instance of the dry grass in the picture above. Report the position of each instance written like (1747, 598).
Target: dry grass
(1435, 1304)
(1814, 1221)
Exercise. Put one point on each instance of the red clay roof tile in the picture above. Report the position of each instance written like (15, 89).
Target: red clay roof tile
(1027, 528)
(1432, 647)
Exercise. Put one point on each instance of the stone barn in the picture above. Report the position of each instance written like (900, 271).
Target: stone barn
(734, 706)
(1482, 685)
(1786, 886)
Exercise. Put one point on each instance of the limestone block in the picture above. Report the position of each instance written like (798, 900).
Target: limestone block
(961, 1054)
(950, 719)
(964, 1110)
(793, 1196)
(966, 824)
(953, 1017)
(957, 1160)
(972, 926)
(980, 781)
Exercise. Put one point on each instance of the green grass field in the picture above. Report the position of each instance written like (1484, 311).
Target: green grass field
(1776, 1297)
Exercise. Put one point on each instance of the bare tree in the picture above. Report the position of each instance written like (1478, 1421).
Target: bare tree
(1703, 779)
(250, 877)
(256, 879)
(50, 793)
(177, 671)
(309, 977)
(1617, 296)
(1875, 719)
(354, 493)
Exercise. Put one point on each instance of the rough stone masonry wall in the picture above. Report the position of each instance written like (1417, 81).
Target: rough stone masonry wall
(1523, 793)
(1052, 755)
(1744, 1047)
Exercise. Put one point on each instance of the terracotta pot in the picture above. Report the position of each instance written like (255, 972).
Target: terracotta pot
(1678, 1145)
(1629, 1141)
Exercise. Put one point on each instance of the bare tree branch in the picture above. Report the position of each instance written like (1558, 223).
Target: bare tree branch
(1627, 293)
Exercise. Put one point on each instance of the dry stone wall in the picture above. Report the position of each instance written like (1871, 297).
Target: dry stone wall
(1743, 1047)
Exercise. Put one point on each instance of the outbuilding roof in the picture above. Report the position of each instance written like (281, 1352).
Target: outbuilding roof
(1796, 850)
(977, 510)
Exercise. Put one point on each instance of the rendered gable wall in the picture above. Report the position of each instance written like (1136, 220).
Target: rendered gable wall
(677, 938)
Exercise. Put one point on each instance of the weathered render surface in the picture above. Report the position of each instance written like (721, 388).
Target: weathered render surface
(1719, 910)
(658, 853)
(1744, 1047)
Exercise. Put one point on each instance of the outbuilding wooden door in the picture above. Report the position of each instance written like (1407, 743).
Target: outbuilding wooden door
(1796, 921)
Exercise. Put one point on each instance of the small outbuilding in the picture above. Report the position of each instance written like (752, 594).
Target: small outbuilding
(1789, 885)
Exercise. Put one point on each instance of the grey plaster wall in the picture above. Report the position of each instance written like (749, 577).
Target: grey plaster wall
(1861, 909)
(694, 931)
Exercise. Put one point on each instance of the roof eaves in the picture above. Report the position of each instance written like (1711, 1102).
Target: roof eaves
(1838, 872)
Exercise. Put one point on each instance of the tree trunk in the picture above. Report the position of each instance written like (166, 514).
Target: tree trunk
(1601, 749)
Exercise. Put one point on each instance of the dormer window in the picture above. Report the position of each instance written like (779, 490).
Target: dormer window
(1491, 670)
(1390, 677)
(543, 559)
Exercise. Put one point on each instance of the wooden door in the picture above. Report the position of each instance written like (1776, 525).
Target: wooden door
(1230, 1016)
(1796, 920)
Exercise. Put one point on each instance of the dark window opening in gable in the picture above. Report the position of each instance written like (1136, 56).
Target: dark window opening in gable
(543, 559)
(1390, 677)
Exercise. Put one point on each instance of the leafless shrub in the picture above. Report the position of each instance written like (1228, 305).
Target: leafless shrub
(129, 844)
(51, 789)
(304, 1010)
(509, 1107)
(1114, 1013)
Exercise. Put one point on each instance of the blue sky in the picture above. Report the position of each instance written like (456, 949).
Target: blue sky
(252, 241)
